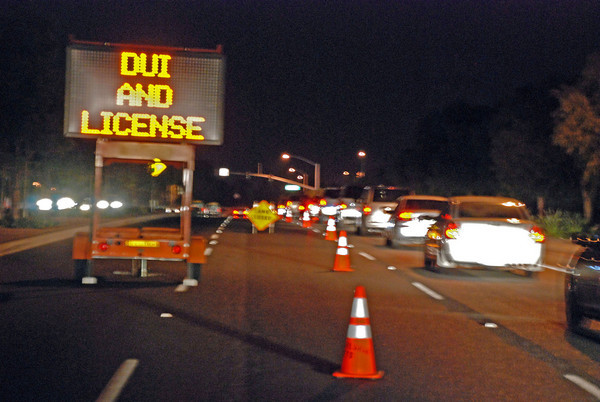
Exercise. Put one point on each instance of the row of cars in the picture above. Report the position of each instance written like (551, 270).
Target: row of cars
(494, 232)
(468, 231)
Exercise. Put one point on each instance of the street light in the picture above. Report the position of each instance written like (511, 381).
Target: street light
(361, 156)
(316, 166)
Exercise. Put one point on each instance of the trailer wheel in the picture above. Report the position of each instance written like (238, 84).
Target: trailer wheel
(194, 270)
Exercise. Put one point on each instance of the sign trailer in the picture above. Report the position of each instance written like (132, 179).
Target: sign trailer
(143, 103)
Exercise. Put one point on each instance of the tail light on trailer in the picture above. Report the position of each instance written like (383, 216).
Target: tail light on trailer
(176, 249)
(103, 246)
(367, 210)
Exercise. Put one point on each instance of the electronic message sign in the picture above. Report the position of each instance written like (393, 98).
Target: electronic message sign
(144, 93)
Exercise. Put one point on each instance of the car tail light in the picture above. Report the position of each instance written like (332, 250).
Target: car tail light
(405, 216)
(367, 210)
(301, 208)
(343, 206)
(537, 234)
(176, 249)
(323, 202)
(103, 246)
(451, 231)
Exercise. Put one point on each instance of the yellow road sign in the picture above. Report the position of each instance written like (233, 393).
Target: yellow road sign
(157, 167)
(262, 215)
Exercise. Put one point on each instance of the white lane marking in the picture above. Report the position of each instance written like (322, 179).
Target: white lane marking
(427, 291)
(392, 268)
(213, 242)
(166, 315)
(490, 325)
(117, 382)
(215, 236)
(367, 256)
(586, 385)
(208, 251)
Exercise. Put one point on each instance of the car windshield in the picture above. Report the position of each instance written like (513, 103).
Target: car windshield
(388, 194)
(509, 210)
(433, 205)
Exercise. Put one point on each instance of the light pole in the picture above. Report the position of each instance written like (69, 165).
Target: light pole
(301, 175)
(316, 166)
(361, 156)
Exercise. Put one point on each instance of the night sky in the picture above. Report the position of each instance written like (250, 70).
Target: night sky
(323, 79)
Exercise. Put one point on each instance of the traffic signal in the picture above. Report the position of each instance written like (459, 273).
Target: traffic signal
(157, 167)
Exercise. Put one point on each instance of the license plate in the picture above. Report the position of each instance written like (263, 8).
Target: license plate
(142, 243)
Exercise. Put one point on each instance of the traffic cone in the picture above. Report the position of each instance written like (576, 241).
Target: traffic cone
(288, 215)
(342, 257)
(306, 222)
(359, 356)
(331, 231)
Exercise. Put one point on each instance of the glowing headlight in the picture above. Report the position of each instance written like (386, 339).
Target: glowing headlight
(45, 204)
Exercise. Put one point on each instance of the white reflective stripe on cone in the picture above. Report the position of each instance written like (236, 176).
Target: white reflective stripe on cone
(359, 308)
(342, 251)
(359, 332)
(343, 242)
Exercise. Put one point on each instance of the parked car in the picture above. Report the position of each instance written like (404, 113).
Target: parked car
(376, 205)
(582, 284)
(412, 217)
(484, 231)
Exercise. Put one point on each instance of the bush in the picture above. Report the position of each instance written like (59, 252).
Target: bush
(562, 224)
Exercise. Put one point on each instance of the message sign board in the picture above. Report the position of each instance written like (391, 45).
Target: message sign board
(145, 94)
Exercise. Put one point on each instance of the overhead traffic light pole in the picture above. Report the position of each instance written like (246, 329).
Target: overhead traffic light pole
(224, 172)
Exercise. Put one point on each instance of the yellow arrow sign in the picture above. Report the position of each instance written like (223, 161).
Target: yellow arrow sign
(262, 215)
(157, 167)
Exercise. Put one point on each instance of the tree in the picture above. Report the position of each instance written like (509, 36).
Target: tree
(526, 163)
(577, 128)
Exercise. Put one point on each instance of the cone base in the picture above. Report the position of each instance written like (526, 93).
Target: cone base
(375, 376)
(342, 270)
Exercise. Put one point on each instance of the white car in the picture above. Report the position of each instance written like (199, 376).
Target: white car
(485, 232)
(412, 218)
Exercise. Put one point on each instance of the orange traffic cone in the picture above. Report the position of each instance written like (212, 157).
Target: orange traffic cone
(331, 231)
(342, 257)
(306, 222)
(288, 215)
(359, 356)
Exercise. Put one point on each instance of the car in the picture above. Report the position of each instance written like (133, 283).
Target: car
(412, 217)
(485, 231)
(329, 203)
(376, 205)
(212, 210)
(582, 283)
(240, 212)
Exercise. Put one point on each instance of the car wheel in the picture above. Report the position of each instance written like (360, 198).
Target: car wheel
(574, 315)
